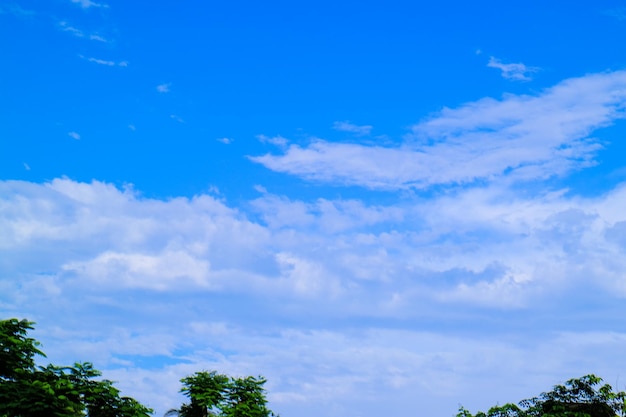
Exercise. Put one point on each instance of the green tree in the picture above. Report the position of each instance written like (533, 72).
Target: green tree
(246, 398)
(579, 397)
(218, 395)
(28, 390)
(17, 351)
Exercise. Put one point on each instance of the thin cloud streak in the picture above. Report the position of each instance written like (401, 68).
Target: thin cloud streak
(86, 4)
(105, 62)
(512, 71)
(74, 31)
(346, 126)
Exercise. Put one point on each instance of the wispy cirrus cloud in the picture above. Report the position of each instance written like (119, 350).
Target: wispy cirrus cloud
(70, 29)
(105, 62)
(519, 137)
(273, 140)
(512, 71)
(346, 126)
(74, 135)
(66, 27)
(86, 4)
(97, 38)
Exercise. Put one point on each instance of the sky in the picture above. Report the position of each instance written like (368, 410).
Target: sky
(388, 207)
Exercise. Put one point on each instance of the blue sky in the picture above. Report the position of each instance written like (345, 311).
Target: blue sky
(379, 206)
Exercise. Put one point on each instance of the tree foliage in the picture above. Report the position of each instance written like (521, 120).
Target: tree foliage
(28, 390)
(215, 394)
(579, 397)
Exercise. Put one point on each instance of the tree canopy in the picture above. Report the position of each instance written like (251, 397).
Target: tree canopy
(578, 397)
(219, 395)
(28, 390)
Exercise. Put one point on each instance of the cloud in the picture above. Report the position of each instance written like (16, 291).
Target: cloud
(516, 138)
(79, 33)
(86, 4)
(226, 141)
(342, 297)
(273, 140)
(101, 62)
(26, 166)
(97, 38)
(74, 31)
(352, 128)
(115, 239)
(176, 118)
(163, 88)
(330, 216)
(138, 270)
(104, 62)
(516, 71)
(74, 135)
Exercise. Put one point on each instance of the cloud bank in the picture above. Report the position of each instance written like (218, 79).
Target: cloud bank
(338, 293)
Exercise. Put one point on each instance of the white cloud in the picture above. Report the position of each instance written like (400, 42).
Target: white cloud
(123, 241)
(79, 33)
(101, 62)
(74, 135)
(273, 140)
(26, 166)
(513, 71)
(519, 137)
(97, 38)
(136, 270)
(85, 4)
(352, 128)
(163, 88)
(331, 216)
(226, 141)
(104, 62)
(74, 31)
(176, 118)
